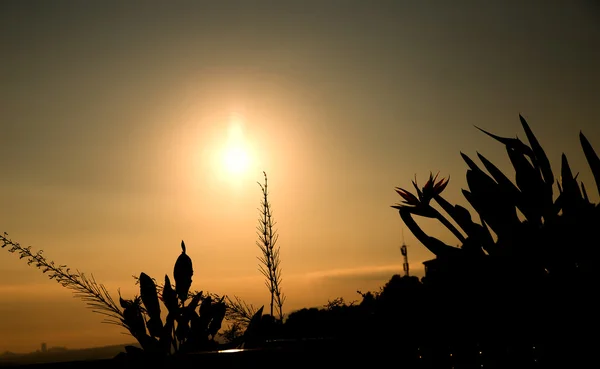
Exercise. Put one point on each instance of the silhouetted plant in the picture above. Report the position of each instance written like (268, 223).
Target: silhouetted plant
(511, 272)
(187, 328)
(93, 293)
(233, 333)
(269, 260)
(548, 223)
(238, 311)
(336, 303)
(239, 315)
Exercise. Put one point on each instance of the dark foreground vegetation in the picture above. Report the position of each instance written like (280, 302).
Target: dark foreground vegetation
(520, 290)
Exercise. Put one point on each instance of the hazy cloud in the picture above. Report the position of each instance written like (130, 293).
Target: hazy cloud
(362, 274)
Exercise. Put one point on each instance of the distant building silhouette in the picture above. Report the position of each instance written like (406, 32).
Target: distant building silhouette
(57, 349)
(455, 268)
(44, 347)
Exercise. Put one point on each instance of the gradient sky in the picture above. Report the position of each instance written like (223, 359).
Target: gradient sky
(114, 116)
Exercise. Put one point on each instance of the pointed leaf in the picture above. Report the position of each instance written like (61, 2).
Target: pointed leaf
(441, 185)
(429, 184)
(149, 296)
(571, 195)
(419, 193)
(498, 175)
(256, 318)
(183, 272)
(155, 326)
(124, 303)
(251, 334)
(511, 190)
(511, 143)
(584, 192)
(408, 197)
(536, 193)
(592, 158)
(195, 301)
(205, 307)
(569, 183)
(166, 339)
(169, 296)
(434, 245)
(461, 216)
(498, 208)
(134, 320)
(486, 238)
(539, 153)
(469, 162)
(218, 315)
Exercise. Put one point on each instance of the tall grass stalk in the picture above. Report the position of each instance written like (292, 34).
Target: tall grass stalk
(270, 265)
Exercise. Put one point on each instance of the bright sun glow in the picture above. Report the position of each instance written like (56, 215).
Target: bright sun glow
(235, 155)
(236, 160)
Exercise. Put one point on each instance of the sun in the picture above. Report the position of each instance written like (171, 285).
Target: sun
(235, 155)
(235, 160)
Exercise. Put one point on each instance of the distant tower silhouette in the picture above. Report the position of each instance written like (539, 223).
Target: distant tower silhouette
(44, 347)
(404, 252)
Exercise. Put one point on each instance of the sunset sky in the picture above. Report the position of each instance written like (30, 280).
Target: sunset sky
(123, 123)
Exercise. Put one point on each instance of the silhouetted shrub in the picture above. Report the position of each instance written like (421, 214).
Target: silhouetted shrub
(515, 277)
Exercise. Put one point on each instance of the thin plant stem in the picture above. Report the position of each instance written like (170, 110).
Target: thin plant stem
(87, 289)
(269, 261)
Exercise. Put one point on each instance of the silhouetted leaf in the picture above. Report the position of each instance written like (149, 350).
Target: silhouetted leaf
(416, 205)
(251, 332)
(205, 307)
(166, 340)
(218, 315)
(571, 195)
(133, 319)
(584, 192)
(195, 301)
(511, 190)
(469, 162)
(500, 177)
(183, 329)
(536, 194)
(496, 207)
(124, 303)
(440, 186)
(408, 197)
(511, 143)
(419, 193)
(169, 296)
(149, 344)
(461, 216)
(539, 153)
(592, 158)
(155, 326)
(474, 201)
(189, 313)
(182, 273)
(434, 245)
(487, 242)
(149, 296)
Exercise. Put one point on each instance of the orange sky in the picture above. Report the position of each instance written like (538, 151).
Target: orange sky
(114, 118)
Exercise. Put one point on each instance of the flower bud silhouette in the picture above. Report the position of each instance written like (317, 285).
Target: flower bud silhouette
(183, 272)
